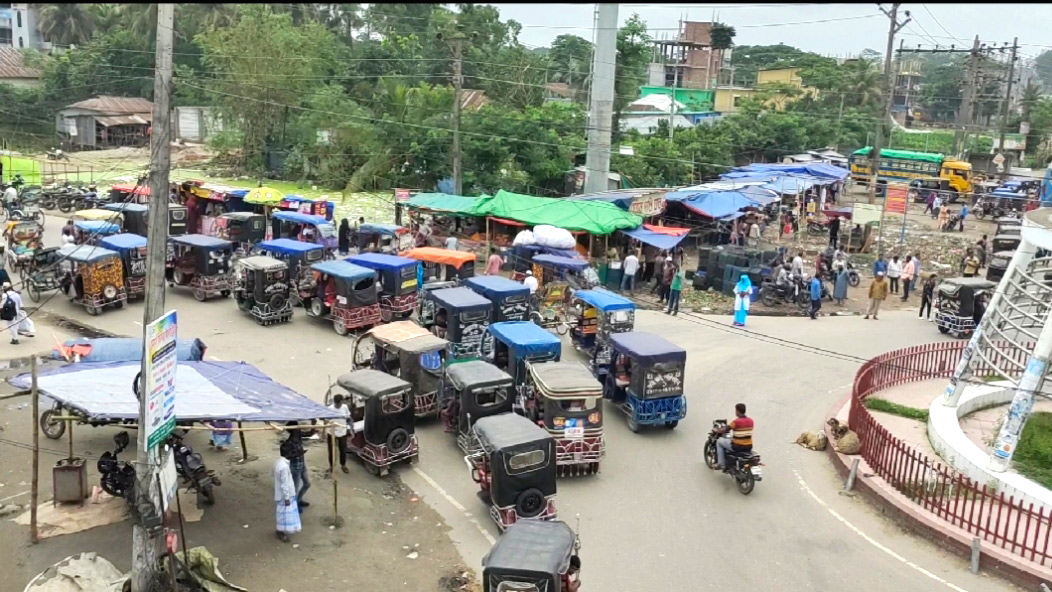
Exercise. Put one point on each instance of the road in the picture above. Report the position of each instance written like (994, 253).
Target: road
(655, 517)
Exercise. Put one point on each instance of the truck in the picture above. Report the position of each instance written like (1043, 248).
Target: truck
(906, 165)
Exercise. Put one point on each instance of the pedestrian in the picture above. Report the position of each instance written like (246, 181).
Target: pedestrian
(742, 293)
(285, 501)
(840, 288)
(880, 265)
(659, 271)
(494, 263)
(649, 253)
(222, 434)
(629, 270)
(298, 463)
(530, 282)
(980, 251)
(894, 272)
(927, 296)
(916, 271)
(754, 235)
(666, 282)
(878, 292)
(345, 237)
(798, 264)
(964, 214)
(675, 289)
(936, 207)
(784, 227)
(971, 265)
(11, 311)
(816, 296)
(929, 204)
(834, 231)
(679, 256)
(909, 270)
(451, 241)
(734, 234)
(944, 218)
(339, 432)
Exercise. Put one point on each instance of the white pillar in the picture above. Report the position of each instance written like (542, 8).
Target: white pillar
(1022, 403)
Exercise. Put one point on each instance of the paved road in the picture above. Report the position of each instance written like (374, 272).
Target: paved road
(655, 516)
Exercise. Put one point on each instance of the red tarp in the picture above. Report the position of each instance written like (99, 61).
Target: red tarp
(669, 230)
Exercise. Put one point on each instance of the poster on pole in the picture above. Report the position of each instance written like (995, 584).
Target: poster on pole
(402, 195)
(161, 356)
(863, 214)
(895, 198)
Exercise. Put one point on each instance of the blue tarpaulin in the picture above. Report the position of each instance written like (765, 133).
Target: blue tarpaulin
(604, 300)
(647, 347)
(818, 169)
(717, 204)
(561, 262)
(525, 338)
(655, 239)
(495, 286)
(127, 349)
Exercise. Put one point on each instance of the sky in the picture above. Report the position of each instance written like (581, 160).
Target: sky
(846, 30)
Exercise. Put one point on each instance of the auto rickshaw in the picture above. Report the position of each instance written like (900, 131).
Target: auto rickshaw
(516, 345)
(443, 264)
(130, 192)
(383, 420)
(299, 255)
(998, 265)
(459, 316)
(511, 300)
(98, 215)
(409, 351)
(95, 279)
(1005, 242)
(398, 283)
(567, 402)
(645, 380)
(533, 556)
(44, 273)
(132, 248)
(388, 238)
(135, 216)
(472, 390)
(261, 287)
(600, 314)
(959, 304)
(201, 262)
(515, 468)
(284, 225)
(577, 273)
(89, 232)
(345, 293)
(24, 239)
(244, 229)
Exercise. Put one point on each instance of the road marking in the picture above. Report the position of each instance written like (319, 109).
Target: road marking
(11, 497)
(870, 539)
(460, 508)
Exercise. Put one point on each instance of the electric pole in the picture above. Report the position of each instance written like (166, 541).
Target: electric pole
(601, 110)
(965, 115)
(146, 546)
(457, 40)
(878, 144)
(1004, 108)
(672, 105)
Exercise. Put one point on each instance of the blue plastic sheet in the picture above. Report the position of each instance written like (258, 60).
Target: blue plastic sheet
(604, 300)
(525, 338)
(655, 239)
(129, 349)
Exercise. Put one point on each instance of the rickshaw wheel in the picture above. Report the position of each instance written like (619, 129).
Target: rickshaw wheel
(23, 272)
(199, 294)
(672, 424)
(373, 469)
(944, 330)
(34, 293)
(633, 425)
(224, 293)
(91, 310)
(317, 307)
(52, 428)
(562, 328)
(339, 327)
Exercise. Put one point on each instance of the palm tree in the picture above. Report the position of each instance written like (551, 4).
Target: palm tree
(1031, 95)
(141, 19)
(107, 16)
(212, 16)
(861, 83)
(65, 24)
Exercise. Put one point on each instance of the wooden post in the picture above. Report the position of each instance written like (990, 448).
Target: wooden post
(35, 487)
(330, 432)
(485, 256)
(244, 447)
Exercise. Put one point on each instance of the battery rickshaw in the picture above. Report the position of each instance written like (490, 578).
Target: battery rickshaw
(88, 232)
(297, 226)
(443, 264)
(645, 380)
(458, 315)
(345, 293)
(600, 314)
(201, 262)
(388, 238)
(244, 229)
(511, 300)
(383, 419)
(398, 283)
(556, 278)
(959, 302)
(44, 273)
(299, 256)
(95, 279)
(261, 288)
(998, 265)
(514, 467)
(1005, 242)
(98, 215)
(518, 344)
(567, 403)
(409, 351)
(132, 248)
(533, 556)
(135, 216)
(24, 239)
(472, 390)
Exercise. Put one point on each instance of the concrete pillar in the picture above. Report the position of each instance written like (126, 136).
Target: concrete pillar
(1022, 403)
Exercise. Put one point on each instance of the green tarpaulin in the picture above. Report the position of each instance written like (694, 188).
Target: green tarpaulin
(589, 216)
(443, 202)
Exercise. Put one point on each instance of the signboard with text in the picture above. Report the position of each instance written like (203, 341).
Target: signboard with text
(895, 198)
(402, 195)
(652, 204)
(161, 355)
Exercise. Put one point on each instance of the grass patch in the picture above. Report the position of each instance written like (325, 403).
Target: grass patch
(885, 406)
(1033, 457)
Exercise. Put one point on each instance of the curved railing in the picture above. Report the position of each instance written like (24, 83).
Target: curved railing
(981, 510)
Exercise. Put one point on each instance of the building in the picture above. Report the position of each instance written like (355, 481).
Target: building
(789, 76)
(906, 93)
(106, 122)
(688, 61)
(198, 124)
(14, 71)
(559, 92)
(18, 27)
(729, 98)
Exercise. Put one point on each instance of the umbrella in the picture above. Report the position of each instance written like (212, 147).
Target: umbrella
(264, 196)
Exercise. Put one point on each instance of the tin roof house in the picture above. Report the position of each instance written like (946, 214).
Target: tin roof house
(106, 122)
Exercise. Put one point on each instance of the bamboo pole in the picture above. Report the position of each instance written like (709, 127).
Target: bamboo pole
(35, 487)
(244, 446)
(330, 432)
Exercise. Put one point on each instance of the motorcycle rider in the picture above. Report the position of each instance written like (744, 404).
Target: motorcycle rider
(741, 438)
(782, 279)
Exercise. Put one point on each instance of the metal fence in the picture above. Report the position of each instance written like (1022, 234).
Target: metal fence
(981, 510)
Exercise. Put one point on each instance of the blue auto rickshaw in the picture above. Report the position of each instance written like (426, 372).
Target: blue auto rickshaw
(645, 379)
(600, 314)
(299, 256)
(132, 248)
(398, 282)
(459, 316)
(135, 216)
(285, 225)
(89, 232)
(517, 343)
(388, 238)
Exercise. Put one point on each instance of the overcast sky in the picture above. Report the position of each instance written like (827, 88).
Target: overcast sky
(856, 26)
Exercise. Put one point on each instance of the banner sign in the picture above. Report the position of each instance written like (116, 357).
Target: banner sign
(895, 198)
(161, 354)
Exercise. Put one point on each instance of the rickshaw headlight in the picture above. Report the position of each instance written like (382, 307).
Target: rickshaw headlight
(594, 417)
(109, 291)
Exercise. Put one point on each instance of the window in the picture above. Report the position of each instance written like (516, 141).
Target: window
(517, 587)
(20, 43)
(18, 17)
(394, 403)
(737, 101)
(526, 461)
(5, 36)
(491, 397)
(575, 405)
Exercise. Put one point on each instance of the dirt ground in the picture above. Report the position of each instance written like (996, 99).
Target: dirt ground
(121, 164)
(390, 540)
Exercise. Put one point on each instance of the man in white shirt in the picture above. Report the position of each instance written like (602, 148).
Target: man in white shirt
(19, 323)
(339, 433)
(798, 265)
(10, 197)
(287, 511)
(631, 266)
(451, 243)
(530, 282)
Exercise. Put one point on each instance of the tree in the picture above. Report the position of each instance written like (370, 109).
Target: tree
(107, 17)
(66, 24)
(1029, 97)
(861, 83)
(722, 36)
(1043, 66)
(570, 61)
(943, 90)
(633, 55)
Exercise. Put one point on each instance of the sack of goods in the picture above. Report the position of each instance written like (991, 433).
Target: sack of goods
(553, 238)
(524, 239)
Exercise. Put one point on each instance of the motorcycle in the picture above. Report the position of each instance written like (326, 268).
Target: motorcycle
(853, 278)
(57, 154)
(816, 228)
(79, 199)
(191, 469)
(745, 467)
(772, 294)
(117, 476)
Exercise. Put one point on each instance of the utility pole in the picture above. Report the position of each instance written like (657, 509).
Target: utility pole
(601, 111)
(146, 547)
(1004, 108)
(878, 144)
(965, 115)
(672, 105)
(457, 39)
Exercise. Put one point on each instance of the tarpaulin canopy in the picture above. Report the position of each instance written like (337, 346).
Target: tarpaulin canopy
(444, 202)
(561, 262)
(588, 216)
(203, 391)
(669, 230)
(815, 169)
(714, 204)
(788, 184)
(752, 188)
(661, 240)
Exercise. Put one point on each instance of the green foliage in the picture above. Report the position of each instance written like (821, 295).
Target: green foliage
(749, 59)
(66, 24)
(1033, 457)
(722, 36)
(1043, 66)
(633, 56)
(878, 404)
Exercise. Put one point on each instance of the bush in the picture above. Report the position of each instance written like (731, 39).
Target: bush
(1033, 456)
(878, 404)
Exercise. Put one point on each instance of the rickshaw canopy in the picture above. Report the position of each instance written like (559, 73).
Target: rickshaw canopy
(975, 283)
(532, 548)
(262, 262)
(647, 347)
(510, 430)
(565, 379)
(86, 253)
(201, 241)
(95, 214)
(477, 374)
(123, 242)
(604, 300)
(97, 226)
(287, 246)
(407, 336)
(242, 216)
(131, 188)
(372, 383)
(525, 338)
(343, 270)
(381, 261)
(561, 262)
(459, 299)
(125, 207)
(300, 218)
(495, 287)
(382, 229)
(264, 196)
(443, 256)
